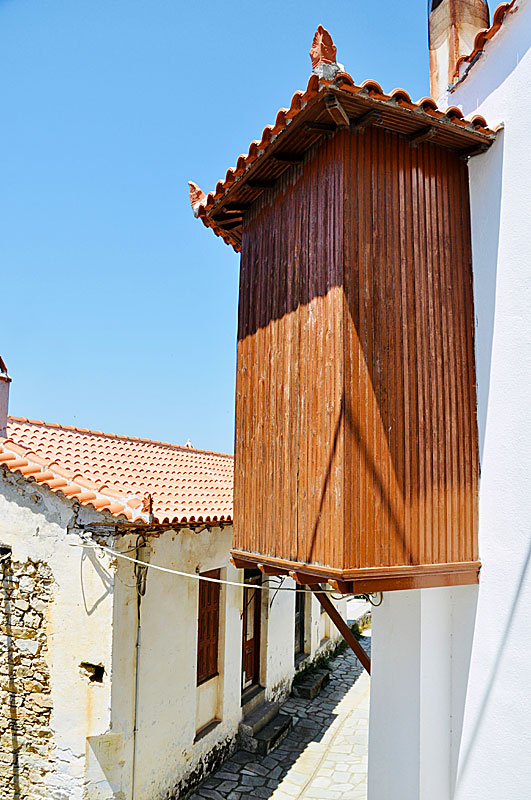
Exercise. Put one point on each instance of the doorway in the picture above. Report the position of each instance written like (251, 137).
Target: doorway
(252, 602)
(299, 625)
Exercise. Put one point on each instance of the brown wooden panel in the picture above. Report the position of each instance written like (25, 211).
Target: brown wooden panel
(288, 467)
(208, 628)
(356, 442)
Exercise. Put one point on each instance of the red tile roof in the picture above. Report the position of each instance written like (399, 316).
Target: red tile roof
(483, 36)
(126, 476)
(397, 111)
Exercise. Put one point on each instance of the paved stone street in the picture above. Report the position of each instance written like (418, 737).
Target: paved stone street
(323, 757)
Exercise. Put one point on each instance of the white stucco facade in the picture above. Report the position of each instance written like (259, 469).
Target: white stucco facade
(171, 708)
(133, 732)
(450, 700)
(498, 703)
(77, 630)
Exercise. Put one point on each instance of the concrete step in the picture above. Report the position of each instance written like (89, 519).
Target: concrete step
(311, 685)
(263, 728)
(272, 734)
(252, 698)
(258, 718)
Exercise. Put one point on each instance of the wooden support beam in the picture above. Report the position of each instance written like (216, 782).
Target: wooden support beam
(229, 224)
(372, 117)
(260, 184)
(227, 216)
(271, 571)
(342, 627)
(341, 587)
(304, 578)
(474, 151)
(242, 563)
(242, 207)
(336, 111)
(423, 135)
(288, 158)
(320, 127)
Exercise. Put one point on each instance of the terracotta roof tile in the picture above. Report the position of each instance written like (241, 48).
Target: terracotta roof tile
(396, 111)
(120, 474)
(483, 36)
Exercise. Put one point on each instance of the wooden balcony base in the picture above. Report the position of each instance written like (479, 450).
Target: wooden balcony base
(367, 580)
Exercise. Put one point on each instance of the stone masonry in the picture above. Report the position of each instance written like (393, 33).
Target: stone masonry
(25, 701)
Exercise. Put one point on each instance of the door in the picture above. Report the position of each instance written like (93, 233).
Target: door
(299, 624)
(252, 597)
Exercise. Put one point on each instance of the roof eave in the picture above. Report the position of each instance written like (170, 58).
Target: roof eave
(332, 105)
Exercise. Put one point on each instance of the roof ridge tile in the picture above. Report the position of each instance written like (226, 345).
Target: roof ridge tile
(119, 436)
(484, 35)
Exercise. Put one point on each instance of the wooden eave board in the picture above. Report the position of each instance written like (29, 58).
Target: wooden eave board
(298, 139)
(371, 579)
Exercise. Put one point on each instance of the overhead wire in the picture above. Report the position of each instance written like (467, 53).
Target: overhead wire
(198, 576)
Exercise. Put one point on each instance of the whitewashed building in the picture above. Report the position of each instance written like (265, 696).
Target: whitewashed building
(118, 680)
(460, 726)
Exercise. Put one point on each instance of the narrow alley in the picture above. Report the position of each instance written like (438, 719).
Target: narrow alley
(324, 756)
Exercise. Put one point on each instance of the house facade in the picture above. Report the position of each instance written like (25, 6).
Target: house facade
(120, 680)
(450, 665)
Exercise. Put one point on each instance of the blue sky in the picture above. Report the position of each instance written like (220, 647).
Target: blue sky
(118, 308)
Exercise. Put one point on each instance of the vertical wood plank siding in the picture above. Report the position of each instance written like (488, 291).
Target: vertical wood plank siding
(356, 442)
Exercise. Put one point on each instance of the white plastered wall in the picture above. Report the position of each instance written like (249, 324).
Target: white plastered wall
(451, 668)
(494, 758)
(420, 655)
(33, 521)
(280, 614)
(93, 618)
(170, 706)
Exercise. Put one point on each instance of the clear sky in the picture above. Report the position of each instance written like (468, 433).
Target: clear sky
(118, 307)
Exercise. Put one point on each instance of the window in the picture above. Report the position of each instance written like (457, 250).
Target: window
(208, 628)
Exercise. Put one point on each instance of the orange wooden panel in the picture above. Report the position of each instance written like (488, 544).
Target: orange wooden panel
(356, 441)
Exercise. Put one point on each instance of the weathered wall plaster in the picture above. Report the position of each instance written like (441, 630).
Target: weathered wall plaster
(171, 708)
(77, 618)
(167, 691)
(69, 594)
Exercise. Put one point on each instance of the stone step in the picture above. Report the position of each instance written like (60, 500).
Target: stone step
(258, 718)
(272, 734)
(252, 698)
(311, 685)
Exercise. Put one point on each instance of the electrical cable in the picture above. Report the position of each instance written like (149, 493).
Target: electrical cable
(372, 602)
(197, 576)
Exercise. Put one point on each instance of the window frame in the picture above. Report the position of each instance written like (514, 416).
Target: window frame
(208, 630)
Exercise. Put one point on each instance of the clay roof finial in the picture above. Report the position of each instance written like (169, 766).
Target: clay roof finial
(197, 196)
(323, 54)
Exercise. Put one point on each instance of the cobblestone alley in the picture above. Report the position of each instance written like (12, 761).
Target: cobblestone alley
(324, 756)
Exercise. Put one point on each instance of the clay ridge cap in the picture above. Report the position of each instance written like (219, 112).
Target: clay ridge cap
(485, 34)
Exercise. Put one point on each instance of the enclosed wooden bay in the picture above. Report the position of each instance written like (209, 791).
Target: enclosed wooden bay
(356, 447)
(356, 441)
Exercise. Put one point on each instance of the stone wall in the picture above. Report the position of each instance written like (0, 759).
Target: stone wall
(26, 747)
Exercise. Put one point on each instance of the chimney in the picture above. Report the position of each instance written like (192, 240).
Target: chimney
(453, 25)
(5, 380)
